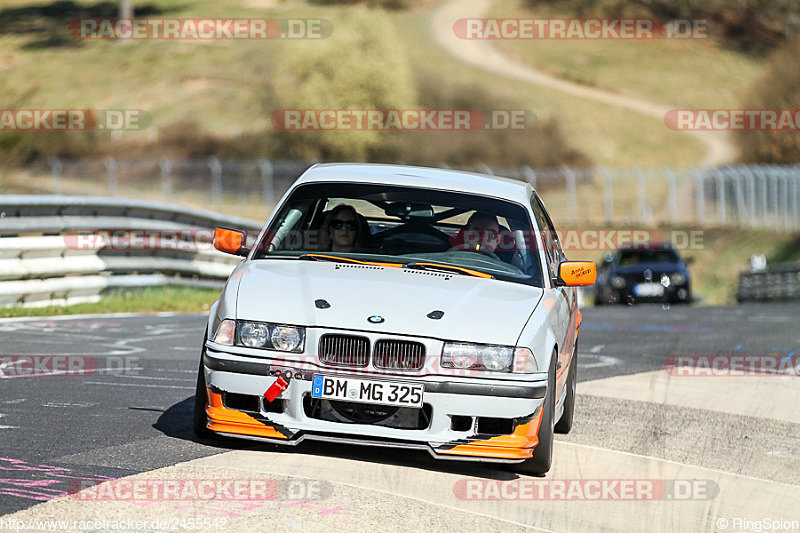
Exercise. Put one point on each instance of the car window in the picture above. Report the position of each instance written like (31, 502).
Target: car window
(405, 224)
(635, 257)
(549, 237)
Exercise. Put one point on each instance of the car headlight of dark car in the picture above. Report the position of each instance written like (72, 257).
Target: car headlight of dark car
(677, 278)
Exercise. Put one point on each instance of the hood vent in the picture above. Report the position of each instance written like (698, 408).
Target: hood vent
(427, 273)
(348, 265)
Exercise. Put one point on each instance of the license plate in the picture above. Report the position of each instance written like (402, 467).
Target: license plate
(648, 289)
(367, 391)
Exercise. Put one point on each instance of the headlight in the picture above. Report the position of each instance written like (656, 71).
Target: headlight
(497, 358)
(487, 357)
(617, 282)
(286, 338)
(461, 356)
(665, 280)
(677, 278)
(270, 336)
(253, 334)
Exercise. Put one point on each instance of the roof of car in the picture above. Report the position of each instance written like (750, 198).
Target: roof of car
(648, 246)
(422, 177)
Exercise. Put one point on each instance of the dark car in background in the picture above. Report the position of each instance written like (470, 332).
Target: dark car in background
(651, 273)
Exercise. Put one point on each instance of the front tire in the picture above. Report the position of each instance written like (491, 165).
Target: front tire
(564, 424)
(542, 458)
(199, 418)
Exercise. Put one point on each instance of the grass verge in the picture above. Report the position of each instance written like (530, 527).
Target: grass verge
(148, 300)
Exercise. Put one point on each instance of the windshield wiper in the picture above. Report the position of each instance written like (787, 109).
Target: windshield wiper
(417, 265)
(324, 257)
(438, 267)
(340, 259)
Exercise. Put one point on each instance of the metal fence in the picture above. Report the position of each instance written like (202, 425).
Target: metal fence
(763, 196)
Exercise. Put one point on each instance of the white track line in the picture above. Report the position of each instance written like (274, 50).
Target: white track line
(122, 375)
(723, 472)
(84, 373)
(136, 385)
(95, 315)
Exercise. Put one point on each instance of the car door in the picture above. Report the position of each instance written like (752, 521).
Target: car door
(561, 299)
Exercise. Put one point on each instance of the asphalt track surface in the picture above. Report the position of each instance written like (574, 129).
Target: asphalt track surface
(133, 416)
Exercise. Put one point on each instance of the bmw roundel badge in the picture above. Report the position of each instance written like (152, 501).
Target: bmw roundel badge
(375, 319)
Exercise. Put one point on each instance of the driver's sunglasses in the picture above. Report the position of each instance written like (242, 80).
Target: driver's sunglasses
(339, 224)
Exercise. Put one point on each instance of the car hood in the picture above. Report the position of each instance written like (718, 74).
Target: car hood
(475, 309)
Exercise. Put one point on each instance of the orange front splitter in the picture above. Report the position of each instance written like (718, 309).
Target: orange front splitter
(517, 445)
(231, 421)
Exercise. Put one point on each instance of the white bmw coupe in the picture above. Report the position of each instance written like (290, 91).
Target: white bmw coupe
(398, 306)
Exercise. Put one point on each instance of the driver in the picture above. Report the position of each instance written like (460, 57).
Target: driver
(482, 233)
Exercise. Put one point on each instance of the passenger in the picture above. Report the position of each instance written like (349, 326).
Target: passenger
(342, 231)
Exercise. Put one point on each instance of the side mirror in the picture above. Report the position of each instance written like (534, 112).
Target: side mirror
(576, 273)
(230, 241)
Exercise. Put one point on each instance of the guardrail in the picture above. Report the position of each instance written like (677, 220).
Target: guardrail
(776, 283)
(56, 249)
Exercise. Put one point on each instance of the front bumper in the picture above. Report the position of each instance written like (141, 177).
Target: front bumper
(672, 293)
(446, 397)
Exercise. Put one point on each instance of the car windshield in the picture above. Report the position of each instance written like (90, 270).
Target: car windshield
(638, 257)
(413, 227)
